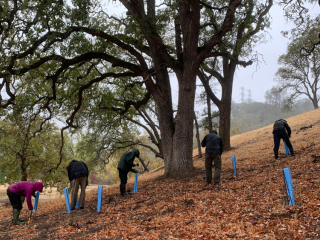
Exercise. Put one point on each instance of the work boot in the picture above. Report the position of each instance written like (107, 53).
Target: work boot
(291, 151)
(16, 220)
(125, 193)
(276, 156)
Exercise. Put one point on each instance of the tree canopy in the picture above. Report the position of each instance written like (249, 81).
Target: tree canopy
(75, 48)
(300, 72)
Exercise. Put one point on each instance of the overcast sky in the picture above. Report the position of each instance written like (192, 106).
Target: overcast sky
(259, 78)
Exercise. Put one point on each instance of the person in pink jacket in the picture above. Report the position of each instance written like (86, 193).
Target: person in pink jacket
(16, 190)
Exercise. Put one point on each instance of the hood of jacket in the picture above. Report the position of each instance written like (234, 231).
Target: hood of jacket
(214, 131)
(38, 186)
(136, 152)
(281, 120)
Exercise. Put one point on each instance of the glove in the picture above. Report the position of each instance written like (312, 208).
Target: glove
(33, 212)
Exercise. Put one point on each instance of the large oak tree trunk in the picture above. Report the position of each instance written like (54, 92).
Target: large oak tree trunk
(226, 99)
(189, 18)
(183, 136)
(163, 100)
(177, 135)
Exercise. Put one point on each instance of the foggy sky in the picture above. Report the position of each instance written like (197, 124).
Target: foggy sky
(259, 78)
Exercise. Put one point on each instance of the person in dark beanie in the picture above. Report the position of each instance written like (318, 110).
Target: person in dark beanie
(78, 175)
(214, 148)
(281, 130)
(125, 166)
(19, 190)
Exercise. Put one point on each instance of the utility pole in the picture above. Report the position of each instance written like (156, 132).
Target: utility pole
(249, 96)
(242, 94)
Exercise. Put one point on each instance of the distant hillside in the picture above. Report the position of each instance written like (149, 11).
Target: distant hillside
(246, 117)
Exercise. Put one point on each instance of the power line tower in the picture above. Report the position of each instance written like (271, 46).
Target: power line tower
(242, 94)
(249, 96)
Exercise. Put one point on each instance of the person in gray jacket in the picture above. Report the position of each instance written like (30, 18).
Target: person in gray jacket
(214, 148)
(281, 130)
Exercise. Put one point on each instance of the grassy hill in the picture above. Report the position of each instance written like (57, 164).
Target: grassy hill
(249, 206)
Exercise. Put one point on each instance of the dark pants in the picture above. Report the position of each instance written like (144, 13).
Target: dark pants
(277, 136)
(15, 199)
(123, 180)
(216, 158)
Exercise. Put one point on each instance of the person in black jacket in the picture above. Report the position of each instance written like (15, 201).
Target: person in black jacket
(125, 166)
(78, 175)
(214, 148)
(279, 132)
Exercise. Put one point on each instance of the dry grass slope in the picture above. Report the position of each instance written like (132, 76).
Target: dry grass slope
(250, 206)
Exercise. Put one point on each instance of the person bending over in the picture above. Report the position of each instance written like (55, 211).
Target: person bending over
(125, 166)
(78, 175)
(281, 130)
(17, 191)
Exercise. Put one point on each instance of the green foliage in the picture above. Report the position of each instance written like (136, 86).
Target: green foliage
(30, 155)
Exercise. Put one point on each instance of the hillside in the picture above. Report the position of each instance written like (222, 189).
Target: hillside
(246, 117)
(249, 206)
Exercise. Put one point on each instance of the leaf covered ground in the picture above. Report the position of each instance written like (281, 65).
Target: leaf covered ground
(252, 205)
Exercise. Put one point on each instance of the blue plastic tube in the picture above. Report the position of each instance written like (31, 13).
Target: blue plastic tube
(36, 201)
(99, 198)
(77, 204)
(135, 188)
(234, 165)
(286, 148)
(289, 185)
(66, 195)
